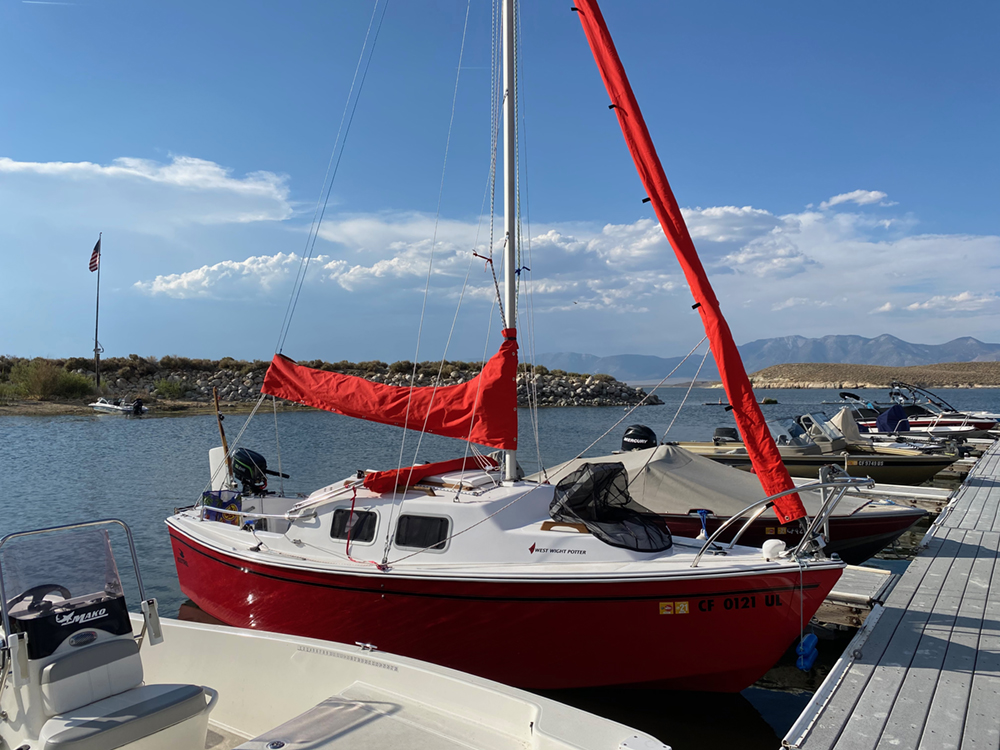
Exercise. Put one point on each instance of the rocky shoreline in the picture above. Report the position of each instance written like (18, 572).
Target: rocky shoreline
(177, 390)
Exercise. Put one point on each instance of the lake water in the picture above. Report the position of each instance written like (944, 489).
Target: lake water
(56, 470)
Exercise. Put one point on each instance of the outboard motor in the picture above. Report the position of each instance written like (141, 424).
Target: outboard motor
(638, 437)
(724, 435)
(250, 470)
(137, 407)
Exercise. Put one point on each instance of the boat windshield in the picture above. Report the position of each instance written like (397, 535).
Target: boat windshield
(77, 561)
(819, 427)
(788, 432)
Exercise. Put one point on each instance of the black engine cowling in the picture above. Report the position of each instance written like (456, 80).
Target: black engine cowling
(637, 437)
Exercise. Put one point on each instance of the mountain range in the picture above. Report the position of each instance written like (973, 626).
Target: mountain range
(883, 350)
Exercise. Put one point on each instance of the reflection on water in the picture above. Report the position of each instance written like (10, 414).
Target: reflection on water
(55, 470)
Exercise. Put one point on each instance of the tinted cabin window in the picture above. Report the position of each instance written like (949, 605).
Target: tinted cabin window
(362, 525)
(425, 532)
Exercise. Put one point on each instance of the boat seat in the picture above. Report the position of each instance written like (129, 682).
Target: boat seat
(133, 715)
(90, 674)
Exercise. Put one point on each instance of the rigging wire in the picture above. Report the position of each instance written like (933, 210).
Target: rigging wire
(331, 175)
(427, 286)
(636, 406)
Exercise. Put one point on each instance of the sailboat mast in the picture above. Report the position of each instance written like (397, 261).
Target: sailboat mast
(510, 191)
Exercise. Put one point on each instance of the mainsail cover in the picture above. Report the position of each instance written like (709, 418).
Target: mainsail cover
(482, 410)
(763, 453)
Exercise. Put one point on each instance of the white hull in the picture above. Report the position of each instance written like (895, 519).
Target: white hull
(374, 699)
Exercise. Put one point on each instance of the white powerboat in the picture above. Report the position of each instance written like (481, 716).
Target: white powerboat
(131, 409)
(75, 677)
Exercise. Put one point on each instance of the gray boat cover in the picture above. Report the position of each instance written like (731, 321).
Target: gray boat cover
(844, 421)
(669, 479)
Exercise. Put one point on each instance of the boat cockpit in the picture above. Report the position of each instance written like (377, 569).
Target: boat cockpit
(72, 676)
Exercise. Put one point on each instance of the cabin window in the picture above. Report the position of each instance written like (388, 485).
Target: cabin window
(360, 525)
(422, 532)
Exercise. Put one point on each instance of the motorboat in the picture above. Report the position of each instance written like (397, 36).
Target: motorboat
(811, 441)
(912, 409)
(695, 495)
(466, 564)
(81, 672)
(116, 406)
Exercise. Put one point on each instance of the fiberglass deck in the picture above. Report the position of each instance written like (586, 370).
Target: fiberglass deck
(924, 672)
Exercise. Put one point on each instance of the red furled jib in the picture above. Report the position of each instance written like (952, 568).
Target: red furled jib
(760, 445)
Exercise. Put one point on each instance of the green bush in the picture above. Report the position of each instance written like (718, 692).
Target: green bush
(41, 379)
(170, 389)
(73, 385)
(402, 366)
(10, 392)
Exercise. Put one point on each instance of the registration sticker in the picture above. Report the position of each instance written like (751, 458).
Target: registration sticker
(675, 608)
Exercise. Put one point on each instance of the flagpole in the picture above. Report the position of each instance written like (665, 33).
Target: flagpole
(97, 315)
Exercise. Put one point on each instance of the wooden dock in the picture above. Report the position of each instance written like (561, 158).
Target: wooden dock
(924, 671)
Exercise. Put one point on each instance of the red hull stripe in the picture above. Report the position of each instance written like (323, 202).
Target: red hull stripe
(243, 567)
(757, 437)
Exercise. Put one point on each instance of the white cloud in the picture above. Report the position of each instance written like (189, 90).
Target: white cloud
(807, 272)
(959, 303)
(146, 195)
(860, 197)
(227, 279)
(800, 302)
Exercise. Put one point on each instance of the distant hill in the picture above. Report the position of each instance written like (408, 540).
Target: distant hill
(826, 375)
(885, 350)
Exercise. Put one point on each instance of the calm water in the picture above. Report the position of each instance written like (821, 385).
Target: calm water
(56, 470)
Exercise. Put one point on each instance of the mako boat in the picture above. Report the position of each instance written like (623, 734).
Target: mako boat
(81, 673)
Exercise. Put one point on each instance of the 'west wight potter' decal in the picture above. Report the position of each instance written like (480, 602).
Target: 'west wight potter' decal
(556, 550)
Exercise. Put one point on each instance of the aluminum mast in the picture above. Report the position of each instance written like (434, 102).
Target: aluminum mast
(510, 192)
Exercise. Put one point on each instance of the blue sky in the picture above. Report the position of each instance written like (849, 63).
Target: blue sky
(838, 166)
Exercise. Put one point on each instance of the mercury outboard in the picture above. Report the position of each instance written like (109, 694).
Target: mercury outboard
(250, 470)
(723, 435)
(637, 437)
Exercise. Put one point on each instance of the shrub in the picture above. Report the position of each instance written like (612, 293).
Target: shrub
(73, 385)
(402, 366)
(10, 392)
(41, 379)
(170, 389)
(79, 363)
(602, 377)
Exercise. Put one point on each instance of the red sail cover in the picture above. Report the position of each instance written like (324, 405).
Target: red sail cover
(387, 481)
(482, 411)
(760, 445)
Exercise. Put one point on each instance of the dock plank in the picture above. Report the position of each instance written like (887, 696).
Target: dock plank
(928, 675)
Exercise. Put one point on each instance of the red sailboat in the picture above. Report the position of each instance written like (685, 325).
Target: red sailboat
(463, 564)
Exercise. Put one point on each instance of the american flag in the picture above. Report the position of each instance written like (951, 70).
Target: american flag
(95, 257)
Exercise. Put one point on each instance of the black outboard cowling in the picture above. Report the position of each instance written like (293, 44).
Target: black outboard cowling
(638, 437)
(725, 435)
(250, 470)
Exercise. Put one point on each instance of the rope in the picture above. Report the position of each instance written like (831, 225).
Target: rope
(277, 445)
(690, 387)
(313, 234)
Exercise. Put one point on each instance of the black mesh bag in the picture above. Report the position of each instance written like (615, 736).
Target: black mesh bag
(596, 495)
